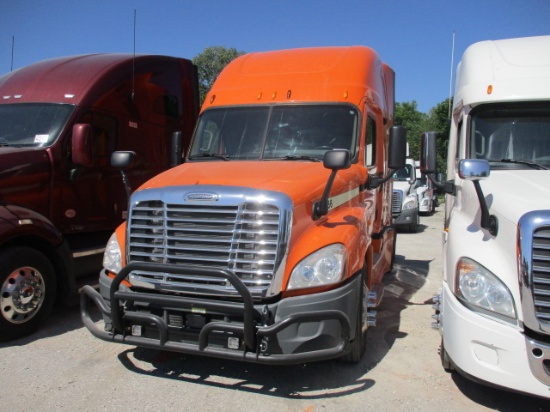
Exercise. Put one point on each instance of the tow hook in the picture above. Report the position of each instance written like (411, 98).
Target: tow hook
(264, 344)
(437, 315)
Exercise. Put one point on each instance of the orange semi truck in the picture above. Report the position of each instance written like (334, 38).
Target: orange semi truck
(270, 243)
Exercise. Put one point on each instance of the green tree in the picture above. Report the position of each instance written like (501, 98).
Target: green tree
(439, 122)
(210, 63)
(408, 115)
(416, 122)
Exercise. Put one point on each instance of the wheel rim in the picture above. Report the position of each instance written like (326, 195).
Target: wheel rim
(22, 295)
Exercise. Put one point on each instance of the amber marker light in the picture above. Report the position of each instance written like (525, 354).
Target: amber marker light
(490, 89)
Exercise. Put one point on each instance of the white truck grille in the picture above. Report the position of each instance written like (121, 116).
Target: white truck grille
(396, 202)
(541, 273)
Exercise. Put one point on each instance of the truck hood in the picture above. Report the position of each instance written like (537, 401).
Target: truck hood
(16, 160)
(23, 166)
(511, 194)
(402, 185)
(302, 181)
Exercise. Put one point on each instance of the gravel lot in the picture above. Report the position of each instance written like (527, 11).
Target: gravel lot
(63, 367)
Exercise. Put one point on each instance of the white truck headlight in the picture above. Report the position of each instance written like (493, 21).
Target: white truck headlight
(323, 267)
(112, 258)
(410, 202)
(480, 288)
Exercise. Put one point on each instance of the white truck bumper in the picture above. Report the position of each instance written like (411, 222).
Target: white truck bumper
(490, 351)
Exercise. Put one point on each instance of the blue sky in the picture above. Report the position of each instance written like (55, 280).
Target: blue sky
(414, 37)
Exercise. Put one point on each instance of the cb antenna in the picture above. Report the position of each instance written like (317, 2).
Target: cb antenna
(451, 79)
(12, 48)
(134, 59)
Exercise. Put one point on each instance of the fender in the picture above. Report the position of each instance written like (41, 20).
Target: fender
(346, 225)
(22, 226)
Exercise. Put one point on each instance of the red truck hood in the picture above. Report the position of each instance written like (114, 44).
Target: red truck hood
(301, 180)
(25, 176)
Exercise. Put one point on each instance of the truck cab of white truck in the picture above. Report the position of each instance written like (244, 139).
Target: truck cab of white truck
(404, 198)
(427, 199)
(494, 308)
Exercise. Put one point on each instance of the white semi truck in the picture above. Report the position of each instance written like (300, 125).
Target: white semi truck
(427, 199)
(494, 308)
(404, 198)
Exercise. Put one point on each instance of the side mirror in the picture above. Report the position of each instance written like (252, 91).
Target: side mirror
(82, 145)
(336, 159)
(412, 177)
(397, 155)
(428, 162)
(428, 155)
(176, 149)
(398, 147)
(123, 159)
(474, 169)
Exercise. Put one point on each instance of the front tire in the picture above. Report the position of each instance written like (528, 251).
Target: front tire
(392, 260)
(446, 361)
(27, 291)
(413, 227)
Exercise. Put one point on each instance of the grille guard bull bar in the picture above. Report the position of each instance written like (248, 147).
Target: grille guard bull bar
(250, 331)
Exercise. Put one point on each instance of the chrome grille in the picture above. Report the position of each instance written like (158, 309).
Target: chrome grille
(242, 236)
(396, 202)
(541, 273)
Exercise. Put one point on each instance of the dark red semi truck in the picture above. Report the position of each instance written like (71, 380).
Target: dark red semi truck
(60, 197)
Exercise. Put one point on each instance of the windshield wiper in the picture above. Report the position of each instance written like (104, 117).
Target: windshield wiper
(302, 157)
(522, 162)
(215, 155)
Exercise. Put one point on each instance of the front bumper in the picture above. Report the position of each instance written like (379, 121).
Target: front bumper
(292, 330)
(426, 205)
(493, 352)
(407, 217)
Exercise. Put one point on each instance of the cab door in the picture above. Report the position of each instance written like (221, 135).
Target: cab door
(93, 196)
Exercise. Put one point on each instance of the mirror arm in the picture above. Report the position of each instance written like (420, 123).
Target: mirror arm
(374, 181)
(321, 207)
(488, 221)
(446, 187)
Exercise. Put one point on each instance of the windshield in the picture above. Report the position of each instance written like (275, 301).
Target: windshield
(302, 132)
(403, 174)
(33, 124)
(512, 136)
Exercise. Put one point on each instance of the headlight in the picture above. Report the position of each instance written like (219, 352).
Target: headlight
(112, 258)
(410, 203)
(323, 267)
(479, 287)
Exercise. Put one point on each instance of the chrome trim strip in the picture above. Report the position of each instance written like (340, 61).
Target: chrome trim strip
(530, 290)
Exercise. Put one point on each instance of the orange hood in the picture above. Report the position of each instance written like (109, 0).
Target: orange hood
(301, 180)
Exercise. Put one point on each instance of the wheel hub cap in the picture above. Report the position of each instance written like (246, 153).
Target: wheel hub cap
(22, 295)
